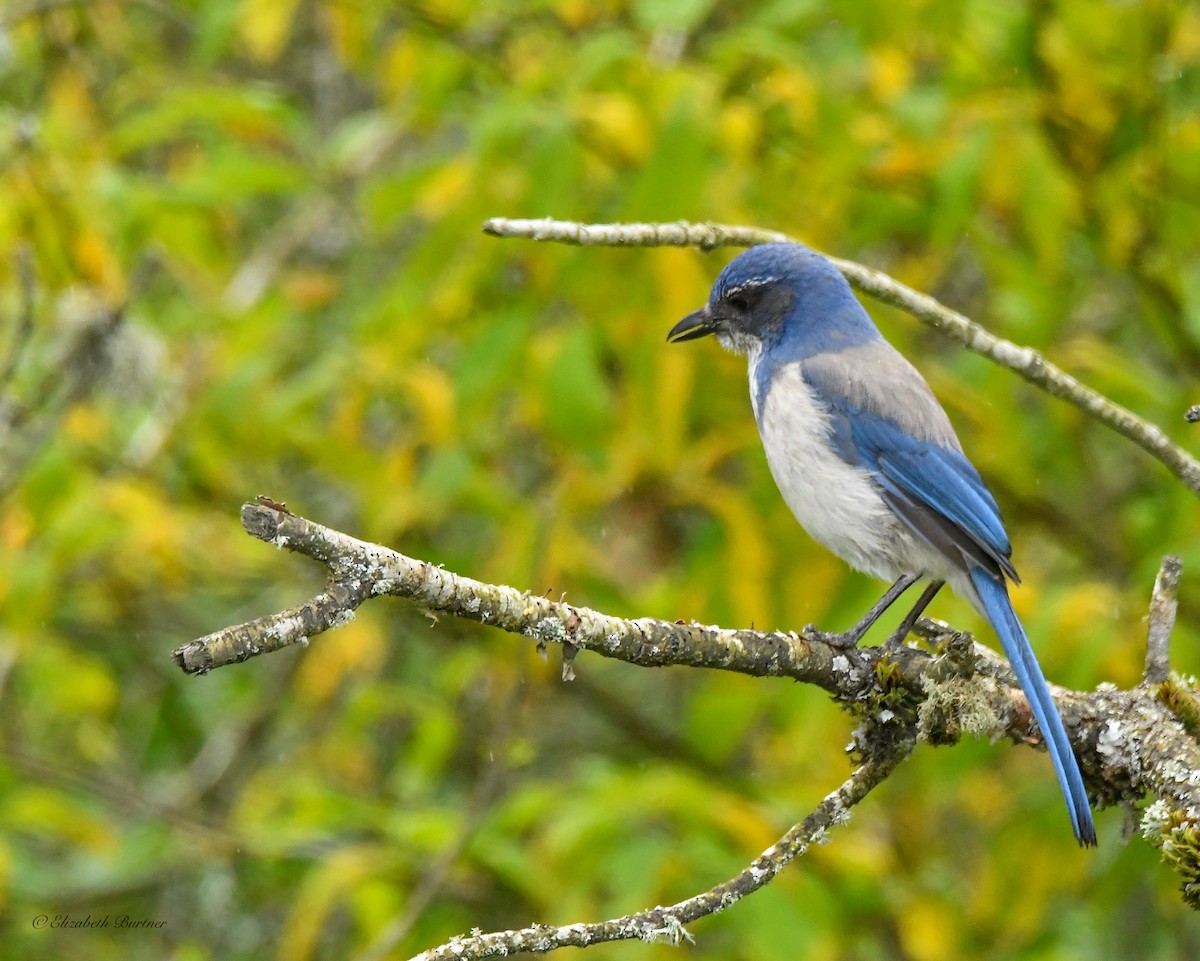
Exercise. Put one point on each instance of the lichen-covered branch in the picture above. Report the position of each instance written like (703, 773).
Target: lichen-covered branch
(360, 570)
(1023, 360)
(669, 924)
(862, 679)
(1130, 743)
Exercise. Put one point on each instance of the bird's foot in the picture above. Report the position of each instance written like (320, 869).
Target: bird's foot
(843, 640)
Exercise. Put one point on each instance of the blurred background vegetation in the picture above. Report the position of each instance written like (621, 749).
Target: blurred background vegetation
(289, 195)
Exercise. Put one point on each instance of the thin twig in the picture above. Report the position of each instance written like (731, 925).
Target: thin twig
(668, 924)
(1163, 607)
(1022, 360)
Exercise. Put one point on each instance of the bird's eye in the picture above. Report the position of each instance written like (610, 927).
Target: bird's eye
(738, 301)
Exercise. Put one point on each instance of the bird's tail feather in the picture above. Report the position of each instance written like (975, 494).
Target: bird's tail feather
(994, 595)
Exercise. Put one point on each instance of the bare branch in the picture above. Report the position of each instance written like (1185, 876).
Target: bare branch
(679, 234)
(1022, 360)
(1163, 606)
(669, 924)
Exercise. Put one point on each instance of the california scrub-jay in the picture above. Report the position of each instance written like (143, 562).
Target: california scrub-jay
(866, 459)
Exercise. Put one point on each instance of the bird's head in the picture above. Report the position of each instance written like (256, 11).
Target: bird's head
(770, 293)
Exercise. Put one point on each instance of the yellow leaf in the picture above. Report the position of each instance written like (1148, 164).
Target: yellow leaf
(347, 29)
(794, 88)
(70, 118)
(617, 122)
(1123, 230)
(310, 289)
(96, 261)
(1089, 603)
(576, 14)
(812, 589)
(927, 930)
(873, 130)
(330, 881)
(683, 280)
(1184, 46)
(135, 501)
(356, 648)
(744, 823)
(1078, 96)
(663, 433)
(740, 130)
(902, 161)
(890, 73)
(84, 423)
(264, 26)
(449, 13)
(16, 527)
(401, 66)
(866, 853)
(445, 190)
(748, 553)
(433, 393)
(90, 690)
(47, 813)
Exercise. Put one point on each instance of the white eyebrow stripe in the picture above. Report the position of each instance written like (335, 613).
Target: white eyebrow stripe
(743, 286)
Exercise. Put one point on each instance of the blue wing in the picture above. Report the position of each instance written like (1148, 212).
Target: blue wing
(931, 486)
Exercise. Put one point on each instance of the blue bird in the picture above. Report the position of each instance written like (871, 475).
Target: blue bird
(866, 459)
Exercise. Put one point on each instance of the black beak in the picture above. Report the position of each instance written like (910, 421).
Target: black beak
(699, 323)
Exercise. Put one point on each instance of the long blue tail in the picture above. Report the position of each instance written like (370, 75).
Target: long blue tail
(994, 595)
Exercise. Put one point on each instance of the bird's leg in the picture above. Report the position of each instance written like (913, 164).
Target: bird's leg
(910, 618)
(851, 637)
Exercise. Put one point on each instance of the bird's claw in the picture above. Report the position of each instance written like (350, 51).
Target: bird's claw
(844, 640)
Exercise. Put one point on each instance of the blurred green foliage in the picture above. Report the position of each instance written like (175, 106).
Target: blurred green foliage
(323, 321)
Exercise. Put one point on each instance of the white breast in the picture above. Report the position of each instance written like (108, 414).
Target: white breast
(838, 504)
